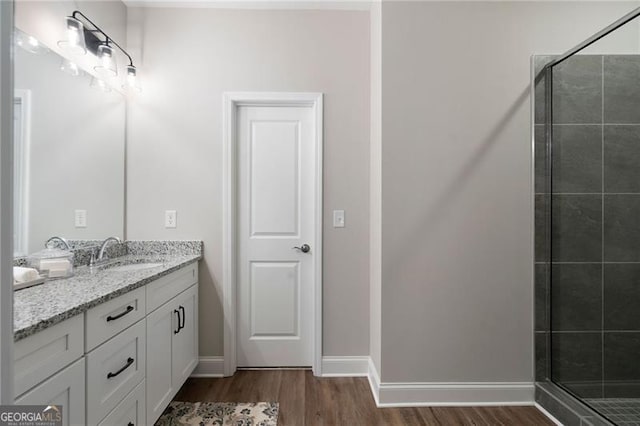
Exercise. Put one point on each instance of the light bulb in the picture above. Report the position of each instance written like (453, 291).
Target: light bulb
(107, 61)
(74, 43)
(132, 81)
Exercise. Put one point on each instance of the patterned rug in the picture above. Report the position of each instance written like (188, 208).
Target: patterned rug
(219, 414)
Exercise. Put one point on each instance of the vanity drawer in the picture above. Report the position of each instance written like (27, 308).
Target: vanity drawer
(39, 356)
(65, 388)
(169, 286)
(114, 370)
(110, 318)
(130, 412)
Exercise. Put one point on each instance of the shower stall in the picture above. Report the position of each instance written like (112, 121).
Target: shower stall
(587, 228)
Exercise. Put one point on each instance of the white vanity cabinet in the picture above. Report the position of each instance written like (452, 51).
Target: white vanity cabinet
(172, 344)
(120, 362)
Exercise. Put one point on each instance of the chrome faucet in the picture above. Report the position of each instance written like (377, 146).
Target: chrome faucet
(104, 245)
(62, 240)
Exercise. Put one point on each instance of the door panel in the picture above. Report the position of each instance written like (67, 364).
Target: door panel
(276, 212)
(274, 170)
(274, 299)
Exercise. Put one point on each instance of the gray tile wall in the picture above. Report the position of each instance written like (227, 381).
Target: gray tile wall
(594, 259)
(541, 252)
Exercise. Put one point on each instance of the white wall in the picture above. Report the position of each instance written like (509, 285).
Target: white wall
(375, 187)
(457, 255)
(189, 58)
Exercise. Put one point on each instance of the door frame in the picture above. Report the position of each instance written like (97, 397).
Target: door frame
(231, 102)
(21, 156)
(6, 204)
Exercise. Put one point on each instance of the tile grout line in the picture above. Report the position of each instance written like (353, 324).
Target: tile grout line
(602, 178)
(592, 124)
(589, 263)
(590, 193)
(590, 331)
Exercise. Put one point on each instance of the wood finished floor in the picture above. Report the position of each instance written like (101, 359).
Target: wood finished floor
(306, 400)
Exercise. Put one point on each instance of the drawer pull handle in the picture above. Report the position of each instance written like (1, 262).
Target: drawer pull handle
(120, 315)
(177, 312)
(131, 424)
(129, 363)
(183, 317)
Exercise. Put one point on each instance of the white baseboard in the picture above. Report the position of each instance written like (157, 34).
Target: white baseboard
(412, 394)
(345, 366)
(374, 381)
(209, 366)
(433, 394)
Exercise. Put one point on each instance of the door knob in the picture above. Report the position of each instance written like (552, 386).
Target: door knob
(304, 248)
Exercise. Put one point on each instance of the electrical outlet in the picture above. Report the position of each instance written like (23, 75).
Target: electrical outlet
(338, 218)
(170, 219)
(80, 218)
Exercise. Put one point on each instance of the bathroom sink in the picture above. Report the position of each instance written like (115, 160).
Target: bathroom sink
(134, 267)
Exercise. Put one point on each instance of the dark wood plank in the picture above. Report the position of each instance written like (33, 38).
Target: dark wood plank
(306, 400)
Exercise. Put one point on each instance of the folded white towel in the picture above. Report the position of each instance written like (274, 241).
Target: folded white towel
(22, 275)
(55, 265)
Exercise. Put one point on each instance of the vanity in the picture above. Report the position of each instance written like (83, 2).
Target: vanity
(113, 343)
(112, 346)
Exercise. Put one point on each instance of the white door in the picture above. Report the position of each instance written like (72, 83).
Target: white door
(277, 163)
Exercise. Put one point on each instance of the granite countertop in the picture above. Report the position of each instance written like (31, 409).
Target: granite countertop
(42, 306)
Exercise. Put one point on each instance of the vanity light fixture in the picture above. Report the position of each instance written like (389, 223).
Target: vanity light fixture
(107, 61)
(87, 33)
(132, 81)
(75, 42)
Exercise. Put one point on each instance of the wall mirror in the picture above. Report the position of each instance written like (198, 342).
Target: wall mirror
(69, 151)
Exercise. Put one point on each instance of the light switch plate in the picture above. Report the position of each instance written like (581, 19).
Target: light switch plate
(338, 218)
(170, 219)
(80, 218)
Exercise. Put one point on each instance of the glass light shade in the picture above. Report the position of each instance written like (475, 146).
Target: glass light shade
(74, 43)
(132, 80)
(107, 61)
(29, 43)
(100, 84)
(70, 67)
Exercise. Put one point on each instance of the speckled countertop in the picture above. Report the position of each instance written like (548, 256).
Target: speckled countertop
(39, 307)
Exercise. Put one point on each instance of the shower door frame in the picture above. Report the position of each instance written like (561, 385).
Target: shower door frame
(547, 73)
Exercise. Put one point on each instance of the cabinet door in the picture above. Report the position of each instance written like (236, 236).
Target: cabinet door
(185, 342)
(161, 325)
(65, 388)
